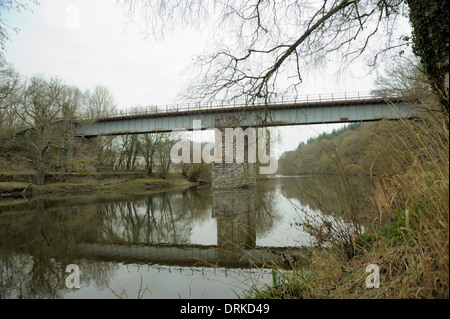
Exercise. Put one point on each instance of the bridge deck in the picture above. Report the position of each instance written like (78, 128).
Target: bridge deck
(192, 110)
(277, 113)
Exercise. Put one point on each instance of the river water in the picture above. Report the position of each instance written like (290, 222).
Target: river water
(194, 243)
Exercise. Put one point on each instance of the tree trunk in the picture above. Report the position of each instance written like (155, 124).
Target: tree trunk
(41, 167)
(429, 19)
(149, 168)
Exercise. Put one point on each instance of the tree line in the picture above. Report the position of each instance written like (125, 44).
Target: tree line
(37, 132)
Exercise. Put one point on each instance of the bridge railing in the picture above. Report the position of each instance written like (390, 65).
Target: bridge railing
(280, 100)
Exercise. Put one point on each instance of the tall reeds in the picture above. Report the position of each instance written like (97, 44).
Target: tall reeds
(408, 232)
(411, 239)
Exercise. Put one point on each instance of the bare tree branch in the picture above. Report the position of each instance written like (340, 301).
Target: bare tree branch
(268, 40)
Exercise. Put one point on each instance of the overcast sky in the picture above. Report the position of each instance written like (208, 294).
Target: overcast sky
(91, 42)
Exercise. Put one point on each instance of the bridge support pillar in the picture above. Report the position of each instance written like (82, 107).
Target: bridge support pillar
(231, 175)
(234, 196)
(235, 214)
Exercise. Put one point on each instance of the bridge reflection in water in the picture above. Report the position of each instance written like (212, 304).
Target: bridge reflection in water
(235, 215)
(221, 233)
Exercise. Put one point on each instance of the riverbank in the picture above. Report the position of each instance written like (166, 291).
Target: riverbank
(404, 251)
(18, 185)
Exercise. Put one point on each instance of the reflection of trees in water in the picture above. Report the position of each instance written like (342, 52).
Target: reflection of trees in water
(40, 276)
(327, 194)
(266, 215)
(196, 203)
(29, 276)
(36, 247)
(333, 208)
(161, 218)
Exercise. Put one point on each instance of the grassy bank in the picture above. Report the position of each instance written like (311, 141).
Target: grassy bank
(408, 237)
(125, 183)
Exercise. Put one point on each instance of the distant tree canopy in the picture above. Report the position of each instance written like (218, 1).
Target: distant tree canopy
(360, 148)
(314, 156)
(37, 131)
(332, 134)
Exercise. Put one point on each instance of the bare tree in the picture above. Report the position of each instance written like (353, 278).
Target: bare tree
(270, 44)
(100, 103)
(107, 150)
(404, 77)
(129, 150)
(5, 27)
(46, 108)
(9, 83)
(9, 87)
(163, 154)
(149, 144)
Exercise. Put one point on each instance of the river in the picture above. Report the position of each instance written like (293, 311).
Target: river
(186, 244)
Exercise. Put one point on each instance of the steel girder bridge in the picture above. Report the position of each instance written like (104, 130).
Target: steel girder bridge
(310, 109)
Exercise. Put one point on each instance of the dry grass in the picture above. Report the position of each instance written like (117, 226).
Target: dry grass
(408, 237)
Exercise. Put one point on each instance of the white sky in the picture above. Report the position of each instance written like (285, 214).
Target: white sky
(89, 42)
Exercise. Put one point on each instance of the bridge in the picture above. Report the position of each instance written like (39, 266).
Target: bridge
(319, 109)
(309, 109)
